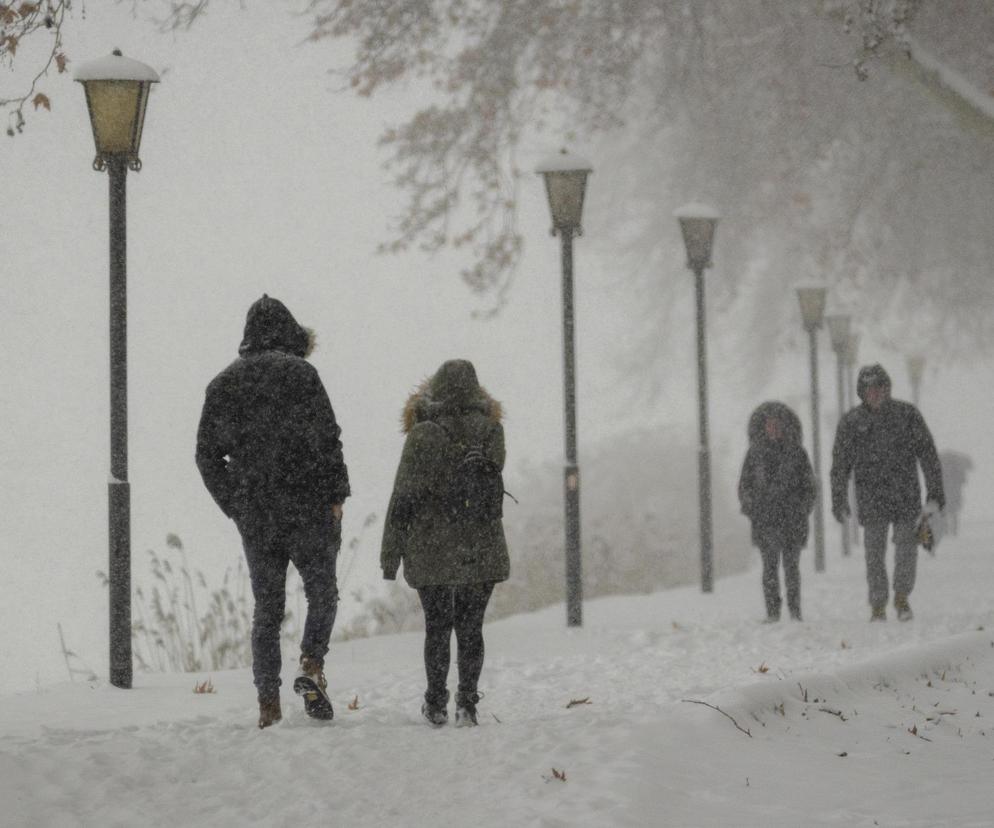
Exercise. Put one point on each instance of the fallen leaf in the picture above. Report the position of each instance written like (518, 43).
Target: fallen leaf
(354, 704)
(61, 60)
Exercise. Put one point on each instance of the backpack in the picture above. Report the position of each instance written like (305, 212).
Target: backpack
(475, 489)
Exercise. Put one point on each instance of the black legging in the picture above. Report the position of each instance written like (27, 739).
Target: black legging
(447, 607)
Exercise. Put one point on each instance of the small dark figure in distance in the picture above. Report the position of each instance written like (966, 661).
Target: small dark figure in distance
(445, 523)
(777, 494)
(269, 452)
(881, 442)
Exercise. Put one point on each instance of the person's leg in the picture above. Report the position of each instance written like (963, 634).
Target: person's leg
(905, 563)
(470, 606)
(792, 579)
(875, 545)
(769, 549)
(267, 573)
(313, 547)
(437, 604)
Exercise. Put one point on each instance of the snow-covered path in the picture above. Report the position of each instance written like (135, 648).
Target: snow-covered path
(634, 755)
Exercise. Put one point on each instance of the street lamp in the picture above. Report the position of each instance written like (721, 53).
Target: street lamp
(916, 369)
(117, 90)
(838, 331)
(565, 184)
(812, 301)
(697, 224)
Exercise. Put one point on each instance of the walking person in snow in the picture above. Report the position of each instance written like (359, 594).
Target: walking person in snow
(882, 442)
(444, 523)
(269, 452)
(777, 494)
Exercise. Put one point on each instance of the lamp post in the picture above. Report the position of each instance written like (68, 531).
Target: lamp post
(916, 369)
(838, 332)
(697, 225)
(852, 357)
(565, 184)
(117, 90)
(812, 301)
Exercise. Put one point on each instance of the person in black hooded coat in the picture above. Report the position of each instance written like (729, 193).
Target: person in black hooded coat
(881, 443)
(269, 452)
(777, 494)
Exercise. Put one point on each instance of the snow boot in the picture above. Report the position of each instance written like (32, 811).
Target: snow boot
(878, 614)
(903, 608)
(795, 615)
(313, 686)
(435, 710)
(269, 712)
(772, 617)
(466, 709)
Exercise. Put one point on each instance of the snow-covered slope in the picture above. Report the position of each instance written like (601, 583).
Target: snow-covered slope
(848, 722)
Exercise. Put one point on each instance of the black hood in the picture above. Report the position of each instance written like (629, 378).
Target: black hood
(784, 413)
(871, 375)
(269, 326)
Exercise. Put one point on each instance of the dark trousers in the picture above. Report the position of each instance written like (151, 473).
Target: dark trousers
(271, 541)
(447, 608)
(777, 548)
(905, 559)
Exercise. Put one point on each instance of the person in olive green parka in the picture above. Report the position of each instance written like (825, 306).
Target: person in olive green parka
(452, 563)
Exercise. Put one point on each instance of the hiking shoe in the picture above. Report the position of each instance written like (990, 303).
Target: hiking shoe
(903, 608)
(466, 709)
(269, 712)
(878, 614)
(436, 711)
(313, 686)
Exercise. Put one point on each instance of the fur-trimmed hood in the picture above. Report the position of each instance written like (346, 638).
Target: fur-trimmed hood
(453, 389)
(269, 326)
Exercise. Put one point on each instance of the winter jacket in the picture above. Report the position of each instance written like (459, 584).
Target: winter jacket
(776, 486)
(268, 438)
(442, 418)
(883, 448)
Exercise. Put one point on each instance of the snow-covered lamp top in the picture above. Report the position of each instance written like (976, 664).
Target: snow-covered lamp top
(838, 331)
(697, 224)
(565, 184)
(812, 301)
(116, 95)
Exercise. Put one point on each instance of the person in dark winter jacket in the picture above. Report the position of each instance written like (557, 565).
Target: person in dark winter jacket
(269, 452)
(452, 558)
(881, 442)
(777, 494)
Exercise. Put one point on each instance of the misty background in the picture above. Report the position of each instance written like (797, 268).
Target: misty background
(259, 177)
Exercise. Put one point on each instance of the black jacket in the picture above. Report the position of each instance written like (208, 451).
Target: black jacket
(268, 438)
(883, 449)
(777, 487)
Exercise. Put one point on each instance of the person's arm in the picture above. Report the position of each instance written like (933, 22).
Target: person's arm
(409, 491)
(843, 458)
(928, 457)
(745, 485)
(213, 446)
(334, 474)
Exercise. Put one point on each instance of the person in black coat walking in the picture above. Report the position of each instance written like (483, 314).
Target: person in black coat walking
(269, 452)
(777, 494)
(881, 442)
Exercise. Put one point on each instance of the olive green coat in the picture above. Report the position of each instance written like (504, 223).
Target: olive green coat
(435, 550)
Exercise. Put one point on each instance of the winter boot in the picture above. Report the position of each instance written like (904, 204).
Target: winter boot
(269, 712)
(795, 614)
(878, 614)
(313, 686)
(466, 709)
(435, 710)
(772, 617)
(903, 608)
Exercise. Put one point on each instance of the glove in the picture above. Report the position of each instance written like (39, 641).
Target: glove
(932, 507)
(840, 513)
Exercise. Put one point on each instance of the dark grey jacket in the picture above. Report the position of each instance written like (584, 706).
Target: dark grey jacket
(776, 486)
(883, 449)
(268, 438)
(444, 416)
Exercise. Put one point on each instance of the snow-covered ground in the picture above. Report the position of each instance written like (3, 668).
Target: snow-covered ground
(848, 723)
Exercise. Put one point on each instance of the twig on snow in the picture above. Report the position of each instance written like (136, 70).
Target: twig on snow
(723, 713)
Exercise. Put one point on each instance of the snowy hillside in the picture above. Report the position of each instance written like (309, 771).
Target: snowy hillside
(848, 723)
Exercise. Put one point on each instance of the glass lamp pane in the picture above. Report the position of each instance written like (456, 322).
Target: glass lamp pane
(838, 331)
(565, 190)
(116, 114)
(698, 236)
(852, 349)
(812, 301)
